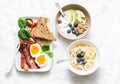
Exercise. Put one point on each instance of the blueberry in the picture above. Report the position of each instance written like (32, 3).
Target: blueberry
(79, 60)
(72, 28)
(75, 24)
(59, 21)
(83, 62)
(77, 33)
(82, 59)
(82, 54)
(68, 31)
(73, 31)
(79, 55)
(70, 25)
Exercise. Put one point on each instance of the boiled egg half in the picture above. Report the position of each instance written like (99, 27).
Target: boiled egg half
(35, 50)
(41, 60)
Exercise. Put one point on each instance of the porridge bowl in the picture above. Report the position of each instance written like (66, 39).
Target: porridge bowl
(75, 23)
(83, 57)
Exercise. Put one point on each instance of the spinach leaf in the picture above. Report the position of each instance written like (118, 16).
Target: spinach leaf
(50, 54)
(22, 22)
(45, 47)
(24, 34)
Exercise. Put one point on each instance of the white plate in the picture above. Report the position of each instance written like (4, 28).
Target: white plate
(47, 67)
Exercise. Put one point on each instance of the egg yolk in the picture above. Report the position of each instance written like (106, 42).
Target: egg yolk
(41, 59)
(34, 49)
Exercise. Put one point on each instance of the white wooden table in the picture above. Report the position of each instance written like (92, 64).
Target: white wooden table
(105, 33)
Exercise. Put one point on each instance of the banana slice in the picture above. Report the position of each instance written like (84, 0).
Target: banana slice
(92, 62)
(87, 57)
(88, 66)
(90, 53)
(91, 49)
(80, 67)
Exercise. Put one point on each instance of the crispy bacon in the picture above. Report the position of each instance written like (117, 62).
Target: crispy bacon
(24, 65)
(27, 62)
(30, 61)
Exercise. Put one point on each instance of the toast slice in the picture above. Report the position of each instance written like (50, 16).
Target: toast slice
(42, 30)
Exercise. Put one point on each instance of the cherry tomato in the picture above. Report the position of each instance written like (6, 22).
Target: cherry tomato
(29, 22)
(33, 24)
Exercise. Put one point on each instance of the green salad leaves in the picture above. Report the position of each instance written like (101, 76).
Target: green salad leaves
(22, 22)
(46, 50)
(24, 34)
(45, 47)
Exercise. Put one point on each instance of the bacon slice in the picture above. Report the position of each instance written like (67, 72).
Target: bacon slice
(30, 61)
(24, 65)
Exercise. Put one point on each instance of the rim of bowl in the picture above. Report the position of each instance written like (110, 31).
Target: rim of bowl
(79, 7)
(83, 73)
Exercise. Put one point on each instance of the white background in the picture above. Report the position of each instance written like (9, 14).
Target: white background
(104, 33)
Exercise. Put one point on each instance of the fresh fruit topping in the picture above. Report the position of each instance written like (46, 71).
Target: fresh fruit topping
(73, 31)
(79, 15)
(87, 57)
(70, 25)
(80, 54)
(59, 21)
(68, 13)
(77, 33)
(80, 59)
(83, 62)
(75, 24)
(69, 31)
(72, 28)
(87, 66)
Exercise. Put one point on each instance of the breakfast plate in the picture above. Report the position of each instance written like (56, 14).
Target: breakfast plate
(35, 41)
(42, 69)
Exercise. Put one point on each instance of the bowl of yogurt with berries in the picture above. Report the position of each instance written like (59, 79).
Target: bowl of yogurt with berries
(83, 57)
(75, 23)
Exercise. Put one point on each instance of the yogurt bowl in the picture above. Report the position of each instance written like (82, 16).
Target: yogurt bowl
(83, 57)
(75, 24)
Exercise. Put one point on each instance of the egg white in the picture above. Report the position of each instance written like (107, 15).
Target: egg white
(46, 57)
(38, 54)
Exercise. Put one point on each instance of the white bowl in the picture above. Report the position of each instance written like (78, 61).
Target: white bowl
(97, 60)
